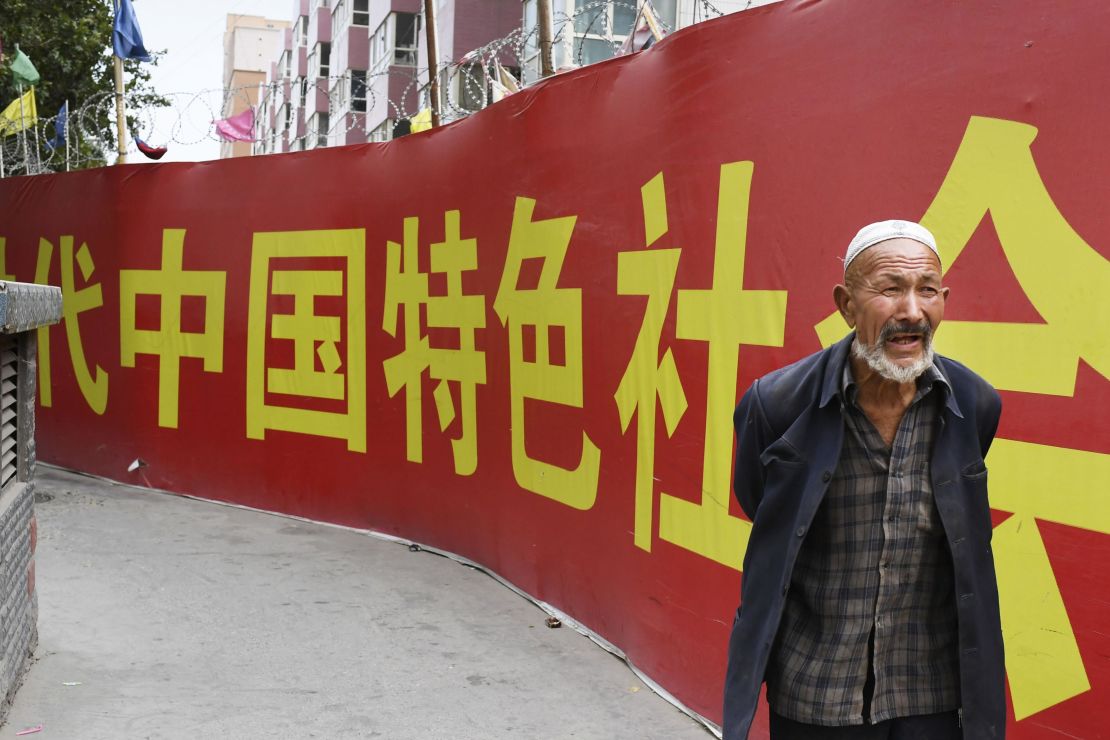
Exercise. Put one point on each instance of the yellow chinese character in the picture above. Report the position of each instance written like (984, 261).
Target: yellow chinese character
(725, 317)
(93, 385)
(544, 307)
(407, 287)
(993, 174)
(649, 273)
(168, 342)
(313, 336)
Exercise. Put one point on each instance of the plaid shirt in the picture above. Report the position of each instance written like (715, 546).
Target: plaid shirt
(872, 586)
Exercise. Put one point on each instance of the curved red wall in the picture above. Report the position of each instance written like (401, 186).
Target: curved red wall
(539, 371)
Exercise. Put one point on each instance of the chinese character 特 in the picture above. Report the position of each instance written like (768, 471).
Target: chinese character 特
(406, 287)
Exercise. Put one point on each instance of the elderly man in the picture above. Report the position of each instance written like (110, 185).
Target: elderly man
(869, 603)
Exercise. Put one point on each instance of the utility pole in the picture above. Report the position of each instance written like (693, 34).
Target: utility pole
(121, 144)
(23, 132)
(547, 32)
(433, 57)
(65, 133)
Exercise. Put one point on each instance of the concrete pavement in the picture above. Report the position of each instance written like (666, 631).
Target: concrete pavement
(166, 617)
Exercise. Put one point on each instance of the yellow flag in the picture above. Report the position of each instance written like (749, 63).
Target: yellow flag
(19, 115)
(422, 121)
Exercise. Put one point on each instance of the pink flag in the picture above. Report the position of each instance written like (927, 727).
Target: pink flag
(238, 127)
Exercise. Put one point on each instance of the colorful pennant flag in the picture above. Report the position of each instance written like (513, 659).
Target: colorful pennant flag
(151, 152)
(60, 122)
(127, 39)
(22, 69)
(21, 114)
(239, 127)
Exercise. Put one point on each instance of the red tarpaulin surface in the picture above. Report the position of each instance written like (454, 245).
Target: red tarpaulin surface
(521, 337)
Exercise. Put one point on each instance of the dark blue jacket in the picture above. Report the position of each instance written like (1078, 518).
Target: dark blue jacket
(789, 431)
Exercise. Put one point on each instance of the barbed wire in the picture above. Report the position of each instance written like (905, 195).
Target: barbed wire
(468, 86)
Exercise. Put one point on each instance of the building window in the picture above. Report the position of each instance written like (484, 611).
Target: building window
(395, 41)
(304, 91)
(300, 31)
(378, 46)
(338, 18)
(469, 87)
(589, 50)
(325, 59)
(531, 29)
(283, 64)
(613, 18)
(667, 10)
(358, 90)
(318, 129)
(406, 30)
(600, 28)
(337, 100)
(381, 131)
(361, 13)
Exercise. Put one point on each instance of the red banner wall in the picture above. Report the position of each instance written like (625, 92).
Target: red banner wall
(521, 337)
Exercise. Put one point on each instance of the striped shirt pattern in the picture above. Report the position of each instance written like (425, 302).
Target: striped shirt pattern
(872, 584)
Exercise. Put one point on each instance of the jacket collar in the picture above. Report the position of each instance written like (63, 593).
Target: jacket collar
(837, 356)
(834, 369)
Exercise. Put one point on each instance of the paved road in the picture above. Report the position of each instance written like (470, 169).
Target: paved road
(175, 618)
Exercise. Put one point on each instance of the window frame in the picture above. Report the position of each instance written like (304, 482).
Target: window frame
(357, 102)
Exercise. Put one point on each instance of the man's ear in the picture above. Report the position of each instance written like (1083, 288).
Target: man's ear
(842, 297)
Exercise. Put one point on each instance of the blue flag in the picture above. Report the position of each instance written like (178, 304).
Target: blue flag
(127, 39)
(60, 122)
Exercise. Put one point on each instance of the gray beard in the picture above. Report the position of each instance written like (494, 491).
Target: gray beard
(877, 360)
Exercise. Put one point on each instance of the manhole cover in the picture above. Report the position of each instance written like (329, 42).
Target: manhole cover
(42, 498)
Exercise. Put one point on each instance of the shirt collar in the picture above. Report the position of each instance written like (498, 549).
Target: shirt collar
(845, 387)
(925, 383)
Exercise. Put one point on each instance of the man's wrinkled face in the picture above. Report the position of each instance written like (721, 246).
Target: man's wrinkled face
(894, 299)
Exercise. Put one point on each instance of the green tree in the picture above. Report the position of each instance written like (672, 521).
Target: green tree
(70, 44)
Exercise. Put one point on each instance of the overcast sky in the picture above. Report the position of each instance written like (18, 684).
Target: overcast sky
(191, 71)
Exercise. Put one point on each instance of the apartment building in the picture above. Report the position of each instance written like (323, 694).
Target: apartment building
(251, 43)
(396, 31)
(316, 24)
(351, 71)
(350, 59)
(293, 105)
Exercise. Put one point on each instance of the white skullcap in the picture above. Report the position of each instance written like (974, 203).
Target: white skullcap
(872, 234)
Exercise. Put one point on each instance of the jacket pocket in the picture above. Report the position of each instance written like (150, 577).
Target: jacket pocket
(782, 452)
(973, 481)
(975, 470)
